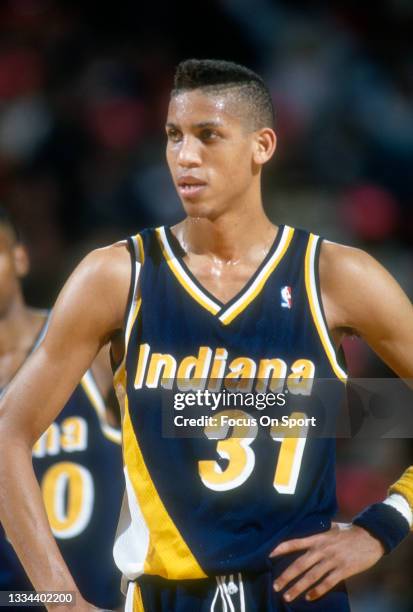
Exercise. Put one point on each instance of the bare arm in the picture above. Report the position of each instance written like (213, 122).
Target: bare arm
(88, 313)
(359, 296)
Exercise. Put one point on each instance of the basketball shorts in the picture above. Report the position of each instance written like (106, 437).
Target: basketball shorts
(233, 593)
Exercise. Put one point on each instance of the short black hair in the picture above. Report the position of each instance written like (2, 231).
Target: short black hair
(7, 221)
(217, 76)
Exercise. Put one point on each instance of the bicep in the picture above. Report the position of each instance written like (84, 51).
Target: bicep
(386, 324)
(368, 300)
(88, 310)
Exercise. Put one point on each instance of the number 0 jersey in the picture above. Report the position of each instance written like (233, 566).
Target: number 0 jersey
(218, 504)
(78, 463)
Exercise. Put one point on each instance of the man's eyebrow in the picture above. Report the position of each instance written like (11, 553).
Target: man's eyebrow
(204, 124)
(200, 125)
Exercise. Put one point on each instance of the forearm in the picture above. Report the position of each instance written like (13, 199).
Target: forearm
(391, 520)
(25, 521)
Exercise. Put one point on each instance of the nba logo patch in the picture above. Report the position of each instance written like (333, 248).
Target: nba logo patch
(286, 297)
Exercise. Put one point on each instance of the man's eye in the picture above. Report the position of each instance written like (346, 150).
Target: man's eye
(208, 134)
(174, 135)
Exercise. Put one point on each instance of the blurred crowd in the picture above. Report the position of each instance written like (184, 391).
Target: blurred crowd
(83, 94)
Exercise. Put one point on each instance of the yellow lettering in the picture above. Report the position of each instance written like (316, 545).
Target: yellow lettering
(74, 434)
(144, 351)
(277, 369)
(68, 495)
(193, 371)
(218, 369)
(301, 379)
(291, 454)
(236, 449)
(39, 449)
(161, 364)
(242, 374)
(48, 443)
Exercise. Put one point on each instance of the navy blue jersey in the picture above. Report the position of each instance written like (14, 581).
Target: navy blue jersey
(78, 464)
(218, 504)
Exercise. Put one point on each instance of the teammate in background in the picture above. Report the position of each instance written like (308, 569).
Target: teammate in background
(76, 459)
(210, 524)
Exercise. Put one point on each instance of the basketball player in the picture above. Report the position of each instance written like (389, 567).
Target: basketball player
(223, 299)
(74, 458)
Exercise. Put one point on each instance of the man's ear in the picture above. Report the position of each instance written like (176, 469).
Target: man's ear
(21, 260)
(265, 143)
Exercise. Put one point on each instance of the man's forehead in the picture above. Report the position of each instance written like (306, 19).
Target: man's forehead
(198, 106)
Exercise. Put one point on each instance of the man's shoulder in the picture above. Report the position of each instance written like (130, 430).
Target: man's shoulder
(102, 277)
(348, 277)
(108, 260)
(94, 299)
(336, 257)
(340, 260)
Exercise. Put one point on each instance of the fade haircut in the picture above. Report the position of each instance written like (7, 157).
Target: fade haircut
(219, 76)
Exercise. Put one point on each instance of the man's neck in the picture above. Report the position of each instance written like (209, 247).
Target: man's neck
(233, 237)
(19, 327)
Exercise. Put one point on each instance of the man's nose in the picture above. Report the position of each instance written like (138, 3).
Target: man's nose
(189, 153)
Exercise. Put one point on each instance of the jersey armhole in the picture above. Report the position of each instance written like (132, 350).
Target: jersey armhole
(312, 283)
(137, 255)
(94, 395)
(43, 331)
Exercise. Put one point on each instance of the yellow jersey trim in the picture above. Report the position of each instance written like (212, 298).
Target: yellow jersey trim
(168, 554)
(255, 289)
(119, 376)
(141, 250)
(182, 276)
(228, 314)
(92, 391)
(137, 599)
(404, 487)
(311, 288)
(136, 298)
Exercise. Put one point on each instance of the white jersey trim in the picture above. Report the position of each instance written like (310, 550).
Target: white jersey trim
(95, 397)
(132, 536)
(399, 503)
(316, 309)
(285, 237)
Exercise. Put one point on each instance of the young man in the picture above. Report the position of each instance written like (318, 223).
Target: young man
(224, 298)
(76, 456)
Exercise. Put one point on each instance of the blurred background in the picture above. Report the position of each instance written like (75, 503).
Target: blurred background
(83, 95)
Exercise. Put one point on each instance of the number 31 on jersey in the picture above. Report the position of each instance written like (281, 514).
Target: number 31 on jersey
(241, 458)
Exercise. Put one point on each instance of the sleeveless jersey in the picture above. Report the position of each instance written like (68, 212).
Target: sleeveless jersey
(201, 506)
(78, 464)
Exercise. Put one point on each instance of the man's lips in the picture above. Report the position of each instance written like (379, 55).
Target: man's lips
(190, 185)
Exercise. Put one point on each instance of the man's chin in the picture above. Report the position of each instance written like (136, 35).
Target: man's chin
(204, 206)
(199, 209)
